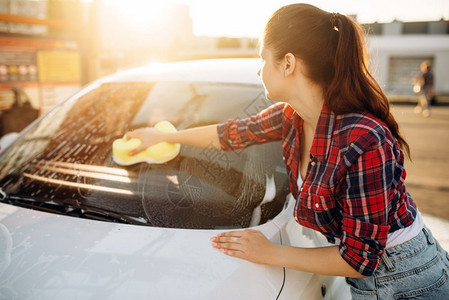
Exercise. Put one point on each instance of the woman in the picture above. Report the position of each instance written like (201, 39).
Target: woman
(426, 89)
(342, 148)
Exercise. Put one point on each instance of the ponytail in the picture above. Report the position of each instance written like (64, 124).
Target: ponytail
(352, 88)
(333, 49)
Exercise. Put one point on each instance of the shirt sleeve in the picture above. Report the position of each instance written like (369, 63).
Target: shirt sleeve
(371, 163)
(263, 127)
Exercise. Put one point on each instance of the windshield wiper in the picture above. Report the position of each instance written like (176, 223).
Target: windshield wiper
(76, 208)
(71, 207)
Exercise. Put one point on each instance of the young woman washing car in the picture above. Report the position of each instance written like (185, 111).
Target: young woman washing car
(344, 157)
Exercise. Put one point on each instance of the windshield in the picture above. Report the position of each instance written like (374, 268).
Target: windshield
(63, 164)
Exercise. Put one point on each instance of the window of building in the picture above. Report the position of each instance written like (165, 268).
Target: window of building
(415, 28)
(403, 73)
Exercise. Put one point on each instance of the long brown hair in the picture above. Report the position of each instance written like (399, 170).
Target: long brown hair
(333, 50)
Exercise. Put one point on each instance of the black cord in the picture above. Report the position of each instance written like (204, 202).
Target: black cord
(283, 281)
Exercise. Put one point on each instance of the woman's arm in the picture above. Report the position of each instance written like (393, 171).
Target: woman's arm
(263, 127)
(253, 246)
(202, 137)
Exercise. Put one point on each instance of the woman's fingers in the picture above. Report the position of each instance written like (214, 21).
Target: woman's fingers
(233, 252)
(146, 135)
(248, 244)
(137, 135)
(228, 240)
(137, 150)
(227, 243)
(133, 134)
(231, 240)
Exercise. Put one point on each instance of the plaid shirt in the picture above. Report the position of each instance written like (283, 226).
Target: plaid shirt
(354, 188)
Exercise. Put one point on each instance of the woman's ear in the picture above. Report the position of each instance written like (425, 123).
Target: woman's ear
(289, 64)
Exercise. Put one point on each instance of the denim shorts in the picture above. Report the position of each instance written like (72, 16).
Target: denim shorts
(416, 269)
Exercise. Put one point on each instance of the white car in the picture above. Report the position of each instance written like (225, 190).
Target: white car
(75, 225)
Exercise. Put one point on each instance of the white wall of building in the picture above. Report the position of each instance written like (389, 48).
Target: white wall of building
(384, 47)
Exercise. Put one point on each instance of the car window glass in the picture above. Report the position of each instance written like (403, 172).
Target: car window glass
(63, 163)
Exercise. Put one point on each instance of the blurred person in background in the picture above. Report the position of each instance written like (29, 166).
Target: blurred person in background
(425, 88)
(344, 156)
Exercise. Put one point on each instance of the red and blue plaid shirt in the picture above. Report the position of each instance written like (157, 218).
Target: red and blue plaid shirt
(354, 188)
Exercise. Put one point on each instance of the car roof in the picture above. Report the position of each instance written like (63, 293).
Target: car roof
(229, 70)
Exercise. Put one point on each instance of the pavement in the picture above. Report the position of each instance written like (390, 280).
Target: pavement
(428, 138)
(427, 172)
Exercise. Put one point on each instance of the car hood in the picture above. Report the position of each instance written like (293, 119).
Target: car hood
(48, 256)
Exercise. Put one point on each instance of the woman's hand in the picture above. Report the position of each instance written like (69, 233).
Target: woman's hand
(149, 137)
(248, 244)
(253, 246)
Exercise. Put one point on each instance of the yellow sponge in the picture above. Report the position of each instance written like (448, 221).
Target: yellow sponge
(156, 154)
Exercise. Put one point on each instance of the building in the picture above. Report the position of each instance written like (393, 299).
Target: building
(398, 48)
(40, 52)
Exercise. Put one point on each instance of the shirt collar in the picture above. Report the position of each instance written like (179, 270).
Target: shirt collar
(323, 134)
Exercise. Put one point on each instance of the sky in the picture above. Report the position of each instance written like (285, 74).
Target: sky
(246, 18)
